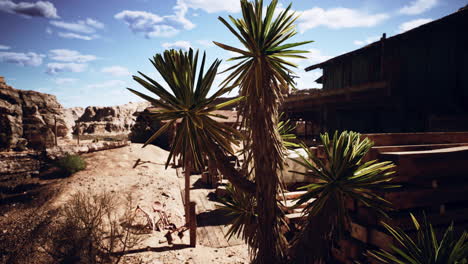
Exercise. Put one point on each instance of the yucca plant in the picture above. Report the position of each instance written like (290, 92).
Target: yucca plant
(263, 75)
(426, 248)
(286, 129)
(187, 106)
(242, 207)
(340, 176)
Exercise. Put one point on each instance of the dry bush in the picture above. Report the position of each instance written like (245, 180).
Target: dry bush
(89, 230)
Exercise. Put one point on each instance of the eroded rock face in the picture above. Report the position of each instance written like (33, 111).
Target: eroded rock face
(28, 118)
(70, 115)
(109, 120)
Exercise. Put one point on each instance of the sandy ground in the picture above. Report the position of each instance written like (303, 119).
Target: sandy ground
(112, 171)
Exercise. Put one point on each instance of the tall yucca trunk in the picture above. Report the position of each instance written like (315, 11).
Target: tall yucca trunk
(262, 73)
(262, 105)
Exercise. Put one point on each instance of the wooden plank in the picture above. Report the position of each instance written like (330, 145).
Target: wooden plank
(217, 232)
(204, 237)
(234, 241)
(295, 217)
(426, 197)
(390, 139)
(359, 232)
(419, 165)
(292, 195)
(444, 218)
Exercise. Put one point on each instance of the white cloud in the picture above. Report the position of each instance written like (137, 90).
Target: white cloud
(212, 6)
(70, 56)
(179, 17)
(313, 57)
(367, 41)
(413, 24)
(49, 31)
(61, 81)
(153, 25)
(337, 18)
(164, 31)
(23, 59)
(206, 43)
(4, 47)
(181, 44)
(116, 71)
(417, 7)
(38, 9)
(54, 68)
(94, 23)
(70, 35)
(86, 26)
(107, 84)
(306, 80)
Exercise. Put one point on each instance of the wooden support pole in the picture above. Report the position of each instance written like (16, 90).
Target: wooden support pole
(78, 133)
(193, 224)
(187, 191)
(55, 130)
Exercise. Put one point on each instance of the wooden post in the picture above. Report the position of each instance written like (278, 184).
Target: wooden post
(193, 224)
(305, 131)
(78, 133)
(55, 130)
(187, 191)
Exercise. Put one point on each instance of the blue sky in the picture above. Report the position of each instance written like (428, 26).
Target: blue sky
(85, 52)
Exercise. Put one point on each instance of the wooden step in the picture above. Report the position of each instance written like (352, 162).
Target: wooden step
(428, 164)
(291, 203)
(295, 217)
(292, 195)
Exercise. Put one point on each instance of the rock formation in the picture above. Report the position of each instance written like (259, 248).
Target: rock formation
(28, 118)
(70, 115)
(109, 120)
(145, 127)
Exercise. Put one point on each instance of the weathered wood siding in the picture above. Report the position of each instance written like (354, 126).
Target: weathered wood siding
(425, 77)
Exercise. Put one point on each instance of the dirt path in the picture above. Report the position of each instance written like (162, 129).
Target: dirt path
(112, 171)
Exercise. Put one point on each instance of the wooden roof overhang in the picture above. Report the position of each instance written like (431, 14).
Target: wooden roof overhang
(357, 96)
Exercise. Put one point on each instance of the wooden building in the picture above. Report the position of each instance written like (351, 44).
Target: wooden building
(416, 81)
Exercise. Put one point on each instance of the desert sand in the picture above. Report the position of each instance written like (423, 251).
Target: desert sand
(112, 171)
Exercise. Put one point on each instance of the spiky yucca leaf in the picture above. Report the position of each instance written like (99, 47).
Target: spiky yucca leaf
(427, 248)
(186, 104)
(341, 175)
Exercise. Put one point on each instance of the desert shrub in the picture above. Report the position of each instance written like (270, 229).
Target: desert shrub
(89, 230)
(71, 164)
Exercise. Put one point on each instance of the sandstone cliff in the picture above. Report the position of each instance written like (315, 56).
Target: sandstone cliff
(109, 120)
(28, 118)
(70, 115)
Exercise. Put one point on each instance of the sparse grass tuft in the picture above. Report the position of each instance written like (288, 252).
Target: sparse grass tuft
(71, 164)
